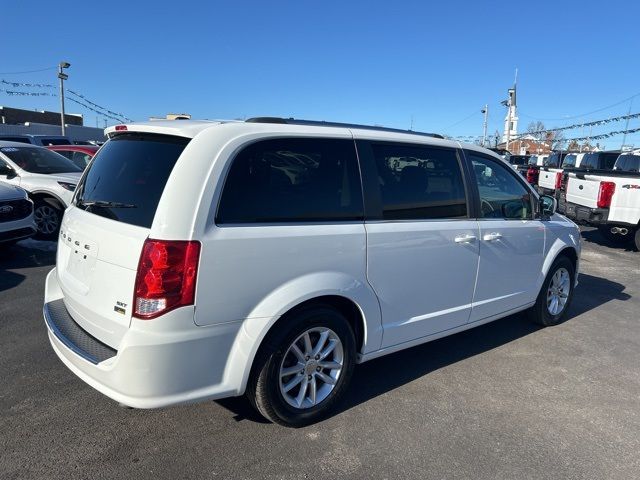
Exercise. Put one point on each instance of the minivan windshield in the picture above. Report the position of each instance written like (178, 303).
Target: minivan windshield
(126, 178)
(39, 160)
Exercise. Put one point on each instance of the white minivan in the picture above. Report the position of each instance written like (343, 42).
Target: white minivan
(201, 260)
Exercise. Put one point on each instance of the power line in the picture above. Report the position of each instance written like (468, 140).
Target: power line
(98, 106)
(584, 114)
(463, 120)
(28, 71)
(576, 139)
(121, 120)
(105, 112)
(27, 85)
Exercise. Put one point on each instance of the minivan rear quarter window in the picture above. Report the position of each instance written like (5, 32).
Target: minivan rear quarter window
(128, 175)
(293, 180)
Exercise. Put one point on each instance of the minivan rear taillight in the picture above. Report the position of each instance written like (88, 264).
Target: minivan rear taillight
(166, 277)
(558, 180)
(607, 189)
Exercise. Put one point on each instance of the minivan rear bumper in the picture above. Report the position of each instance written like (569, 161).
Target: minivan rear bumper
(160, 362)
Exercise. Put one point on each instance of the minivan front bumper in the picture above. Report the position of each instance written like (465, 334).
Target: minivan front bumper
(160, 362)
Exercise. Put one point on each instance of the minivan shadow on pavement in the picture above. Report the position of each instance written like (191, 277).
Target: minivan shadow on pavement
(21, 256)
(382, 375)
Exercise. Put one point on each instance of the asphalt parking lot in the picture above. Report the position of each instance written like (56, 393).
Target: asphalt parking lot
(502, 401)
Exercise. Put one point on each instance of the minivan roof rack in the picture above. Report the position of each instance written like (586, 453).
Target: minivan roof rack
(322, 123)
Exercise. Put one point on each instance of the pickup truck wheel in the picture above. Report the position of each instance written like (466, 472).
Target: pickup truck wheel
(303, 370)
(637, 239)
(47, 217)
(555, 296)
(616, 238)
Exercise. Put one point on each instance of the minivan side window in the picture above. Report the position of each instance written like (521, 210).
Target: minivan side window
(419, 182)
(501, 194)
(293, 180)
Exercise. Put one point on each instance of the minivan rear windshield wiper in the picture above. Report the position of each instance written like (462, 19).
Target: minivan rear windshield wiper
(104, 204)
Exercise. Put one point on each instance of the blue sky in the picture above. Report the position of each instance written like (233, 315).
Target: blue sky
(367, 62)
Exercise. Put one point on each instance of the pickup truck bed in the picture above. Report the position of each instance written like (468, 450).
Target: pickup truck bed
(608, 199)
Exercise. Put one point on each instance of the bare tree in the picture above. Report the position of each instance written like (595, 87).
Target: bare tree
(534, 129)
(554, 138)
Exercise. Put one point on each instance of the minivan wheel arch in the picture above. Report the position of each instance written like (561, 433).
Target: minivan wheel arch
(563, 250)
(346, 306)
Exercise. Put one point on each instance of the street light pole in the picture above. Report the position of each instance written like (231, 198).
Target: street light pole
(484, 125)
(62, 76)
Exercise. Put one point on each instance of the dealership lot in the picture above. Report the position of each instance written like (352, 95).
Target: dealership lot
(505, 400)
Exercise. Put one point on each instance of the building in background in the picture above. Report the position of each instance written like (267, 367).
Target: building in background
(19, 116)
(173, 116)
(17, 121)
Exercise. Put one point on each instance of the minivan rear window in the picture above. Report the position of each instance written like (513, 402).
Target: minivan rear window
(128, 175)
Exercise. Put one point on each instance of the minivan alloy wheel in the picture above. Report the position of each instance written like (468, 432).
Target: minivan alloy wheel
(46, 218)
(558, 291)
(310, 368)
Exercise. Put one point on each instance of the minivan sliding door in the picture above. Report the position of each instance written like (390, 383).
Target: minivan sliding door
(422, 246)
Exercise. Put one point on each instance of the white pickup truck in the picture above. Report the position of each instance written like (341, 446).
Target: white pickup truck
(550, 176)
(608, 199)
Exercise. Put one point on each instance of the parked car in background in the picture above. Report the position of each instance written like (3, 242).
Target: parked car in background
(204, 260)
(520, 163)
(599, 160)
(628, 162)
(40, 140)
(550, 174)
(81, 155)
(16, 215)
(608, 198)
(533, 169)
(571, 161)
(48, 177)
(503, 153)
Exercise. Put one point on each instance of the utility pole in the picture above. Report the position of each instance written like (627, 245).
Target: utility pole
(626, 125)
(485, 110)
(62, 76)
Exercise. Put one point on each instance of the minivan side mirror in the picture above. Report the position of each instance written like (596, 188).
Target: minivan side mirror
(548, 206)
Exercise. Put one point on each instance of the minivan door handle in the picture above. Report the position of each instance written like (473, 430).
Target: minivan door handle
(465, 239)
(490, 237)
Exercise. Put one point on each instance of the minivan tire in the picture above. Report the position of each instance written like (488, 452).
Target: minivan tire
(636, 239)
(541, 312)
(48, 217)
(265, 390)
